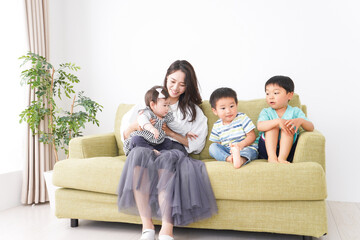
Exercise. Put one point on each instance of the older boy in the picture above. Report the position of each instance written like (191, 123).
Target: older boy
(279, 124)
(233, 134)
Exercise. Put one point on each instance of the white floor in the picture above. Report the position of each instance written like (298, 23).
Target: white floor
(39, 223)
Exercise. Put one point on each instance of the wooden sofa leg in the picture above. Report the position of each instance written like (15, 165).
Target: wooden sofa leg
(74, 222)
(307, 238)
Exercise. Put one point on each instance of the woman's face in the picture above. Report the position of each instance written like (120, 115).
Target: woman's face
(176, 85)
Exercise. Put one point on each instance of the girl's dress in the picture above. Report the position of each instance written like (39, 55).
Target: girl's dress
(148, 114)
(180, 183)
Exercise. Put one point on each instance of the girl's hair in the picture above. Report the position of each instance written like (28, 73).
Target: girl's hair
(153, 94)
(191, 96)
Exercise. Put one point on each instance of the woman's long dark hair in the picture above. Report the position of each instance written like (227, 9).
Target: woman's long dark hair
(191, 96)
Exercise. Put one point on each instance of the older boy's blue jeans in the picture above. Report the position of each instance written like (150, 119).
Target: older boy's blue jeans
(220, 152)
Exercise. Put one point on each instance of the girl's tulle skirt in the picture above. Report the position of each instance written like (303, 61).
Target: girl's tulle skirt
(171, 187)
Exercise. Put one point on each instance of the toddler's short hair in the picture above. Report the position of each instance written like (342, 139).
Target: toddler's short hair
(222, 93)
(153, 94)
(282, 81)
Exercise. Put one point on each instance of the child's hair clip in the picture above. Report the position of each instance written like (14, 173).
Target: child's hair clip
(159, 90)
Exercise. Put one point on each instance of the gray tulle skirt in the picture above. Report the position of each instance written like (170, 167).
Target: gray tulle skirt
(171, 187)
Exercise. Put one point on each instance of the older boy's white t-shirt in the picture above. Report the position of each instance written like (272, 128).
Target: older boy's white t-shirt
(179, 125)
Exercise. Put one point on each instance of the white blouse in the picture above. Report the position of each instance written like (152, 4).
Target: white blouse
(179, 125)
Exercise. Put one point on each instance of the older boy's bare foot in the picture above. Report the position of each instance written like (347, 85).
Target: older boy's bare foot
(229, 159)
(283, 161)
(272, 160)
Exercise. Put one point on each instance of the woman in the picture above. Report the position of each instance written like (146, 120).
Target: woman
(171, 186)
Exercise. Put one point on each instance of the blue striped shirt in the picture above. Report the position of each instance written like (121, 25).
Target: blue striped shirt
(232, 133)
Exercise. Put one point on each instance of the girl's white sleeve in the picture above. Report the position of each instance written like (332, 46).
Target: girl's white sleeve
(198, 126)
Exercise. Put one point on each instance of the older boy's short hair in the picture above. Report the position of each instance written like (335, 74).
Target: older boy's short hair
(153, 94)
(222, 93)
(282, 81)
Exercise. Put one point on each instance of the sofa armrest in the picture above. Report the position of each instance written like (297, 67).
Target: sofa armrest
(310, 148)
(100, 145)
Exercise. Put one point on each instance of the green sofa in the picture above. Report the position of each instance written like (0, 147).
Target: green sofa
(260, 197)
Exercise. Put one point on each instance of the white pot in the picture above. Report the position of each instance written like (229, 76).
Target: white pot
(50, 188)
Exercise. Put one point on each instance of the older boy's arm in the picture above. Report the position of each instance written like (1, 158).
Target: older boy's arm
(264, 126)
(296, 123)
(250, 138)
(307, 125)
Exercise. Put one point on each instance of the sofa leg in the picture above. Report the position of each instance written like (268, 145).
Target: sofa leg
(74, 222)
(307, 238)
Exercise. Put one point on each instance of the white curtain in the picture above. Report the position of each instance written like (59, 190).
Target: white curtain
(39, 156)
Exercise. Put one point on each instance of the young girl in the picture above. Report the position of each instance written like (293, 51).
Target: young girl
(153, 136)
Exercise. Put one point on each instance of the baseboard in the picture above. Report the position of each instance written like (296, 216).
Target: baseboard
(10, 188)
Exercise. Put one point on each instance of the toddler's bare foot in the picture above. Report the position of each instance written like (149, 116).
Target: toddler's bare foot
(283, 161)
(229, 159)
(272, 160)
(242, 161)
(235, 152)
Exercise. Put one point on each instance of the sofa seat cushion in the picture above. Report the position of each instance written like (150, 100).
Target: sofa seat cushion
(260, 180)
(99, 174)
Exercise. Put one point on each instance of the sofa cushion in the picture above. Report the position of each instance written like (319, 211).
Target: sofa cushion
(258, 180)
(99, 174)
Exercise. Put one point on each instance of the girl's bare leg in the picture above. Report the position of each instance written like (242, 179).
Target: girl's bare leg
(142, 199)
(271, 141)
(286, 142)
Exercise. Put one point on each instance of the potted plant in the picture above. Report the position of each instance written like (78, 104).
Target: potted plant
(50, 86)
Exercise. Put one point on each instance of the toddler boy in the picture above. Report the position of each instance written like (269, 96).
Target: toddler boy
(233, 134)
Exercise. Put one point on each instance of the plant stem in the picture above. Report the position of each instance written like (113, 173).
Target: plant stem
(51, 115)
(71, 112)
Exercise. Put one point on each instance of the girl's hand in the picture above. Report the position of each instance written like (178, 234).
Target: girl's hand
(191, 135)
(155, 132)
(294, 124)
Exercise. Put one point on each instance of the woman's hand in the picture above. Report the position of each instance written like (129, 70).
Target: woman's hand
(180, 138)
(132, 128)
(191, 135)
(167, 130)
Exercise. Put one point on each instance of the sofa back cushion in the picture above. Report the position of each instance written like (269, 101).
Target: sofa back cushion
(122, 109)
(252, 108)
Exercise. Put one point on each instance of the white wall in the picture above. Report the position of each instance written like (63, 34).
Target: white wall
(124, 47)
(13, 44)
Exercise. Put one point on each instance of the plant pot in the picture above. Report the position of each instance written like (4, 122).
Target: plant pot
(50, 188)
